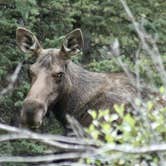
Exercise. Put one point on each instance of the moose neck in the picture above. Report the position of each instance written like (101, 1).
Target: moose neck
(85, 86)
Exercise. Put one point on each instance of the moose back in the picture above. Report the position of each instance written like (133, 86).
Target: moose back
(59, 85)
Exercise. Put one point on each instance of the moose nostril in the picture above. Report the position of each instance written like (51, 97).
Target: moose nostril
(31, 108)
(31, 105)
(32, 114)
(30, 122)
(36, 125)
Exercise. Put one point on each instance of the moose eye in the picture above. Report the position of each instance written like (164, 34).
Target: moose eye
(58, 76)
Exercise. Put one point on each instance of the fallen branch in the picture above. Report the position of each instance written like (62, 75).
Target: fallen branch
(132, 150)
(66, 164)
(81, 148)
(43, 158)
(51, 140)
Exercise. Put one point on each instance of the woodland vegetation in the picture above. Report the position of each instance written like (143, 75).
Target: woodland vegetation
(118, 37)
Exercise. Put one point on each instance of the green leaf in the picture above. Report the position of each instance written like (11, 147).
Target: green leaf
(93, 114)
(150, 105)
(162, 90)
(119, 109)
(130, 120)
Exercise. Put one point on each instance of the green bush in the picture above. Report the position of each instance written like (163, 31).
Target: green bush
(143, 127)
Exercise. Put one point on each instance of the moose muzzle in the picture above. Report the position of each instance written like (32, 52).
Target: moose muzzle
(32, 114)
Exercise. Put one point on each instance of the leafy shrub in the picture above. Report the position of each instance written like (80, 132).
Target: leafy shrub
(116, 127)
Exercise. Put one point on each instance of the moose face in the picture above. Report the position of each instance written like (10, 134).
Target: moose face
(49, 76)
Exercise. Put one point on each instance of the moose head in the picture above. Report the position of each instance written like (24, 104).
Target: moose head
(49, 76)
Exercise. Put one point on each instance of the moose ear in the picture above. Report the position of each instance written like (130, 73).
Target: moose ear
(72, 43)
(26, 41)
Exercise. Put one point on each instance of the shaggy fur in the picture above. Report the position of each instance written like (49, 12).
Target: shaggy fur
(60, 85)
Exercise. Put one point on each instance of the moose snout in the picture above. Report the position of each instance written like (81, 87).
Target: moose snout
(32, 114)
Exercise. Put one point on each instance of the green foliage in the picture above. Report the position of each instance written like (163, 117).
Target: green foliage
(119, 127)
(22, 147)
(104, 65)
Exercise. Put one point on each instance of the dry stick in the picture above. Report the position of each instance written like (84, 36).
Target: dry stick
(66, 164)
(76, 127)
(137, 71)
(116, 52)
(13, 79)
(43, 158)
(131, 78)
(20, 133)
(44, 140)
(59, 138)
(118, 148)
(118, 61)
(64, 140)
(132, 150)
(25, 134)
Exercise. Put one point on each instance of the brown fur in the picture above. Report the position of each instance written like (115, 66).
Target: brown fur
(75, 91)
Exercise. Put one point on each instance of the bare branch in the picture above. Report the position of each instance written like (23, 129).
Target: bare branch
(46, 139)
(152, 51)
(66, 164)
(132, 150)
(12, 79)
(43, 158)
(75, 150)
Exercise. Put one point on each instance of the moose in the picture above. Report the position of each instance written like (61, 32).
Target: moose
(60, 85)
